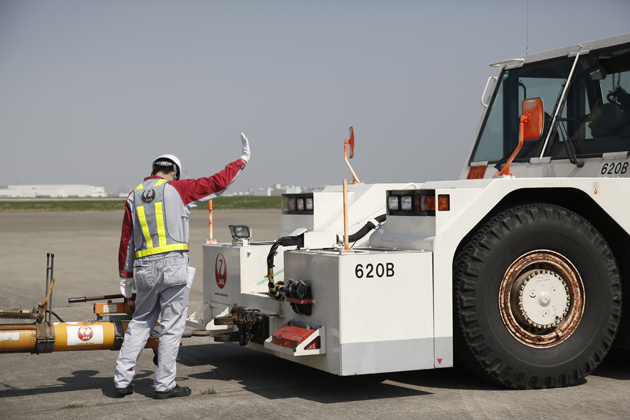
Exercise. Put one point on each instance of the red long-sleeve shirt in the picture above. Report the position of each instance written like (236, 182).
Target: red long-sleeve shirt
(192, 192)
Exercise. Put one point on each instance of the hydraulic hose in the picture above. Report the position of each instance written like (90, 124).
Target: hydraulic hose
(56, 316)
(276, 289)
(366, 228)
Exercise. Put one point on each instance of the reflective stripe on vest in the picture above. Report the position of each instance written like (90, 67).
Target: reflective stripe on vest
(152, 220)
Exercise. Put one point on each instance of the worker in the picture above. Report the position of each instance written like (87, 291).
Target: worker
(155, 238)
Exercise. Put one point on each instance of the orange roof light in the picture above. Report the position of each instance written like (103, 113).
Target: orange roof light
(444, 202)
(429, 203)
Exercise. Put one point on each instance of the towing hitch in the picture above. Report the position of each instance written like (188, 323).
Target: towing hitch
(252, 326)
(36, 332)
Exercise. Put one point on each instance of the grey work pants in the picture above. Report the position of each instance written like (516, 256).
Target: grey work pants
(161, 289)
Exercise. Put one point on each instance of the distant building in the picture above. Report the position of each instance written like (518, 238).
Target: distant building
(278, 189)
(52, 191)
(122, 191)
(10, 192)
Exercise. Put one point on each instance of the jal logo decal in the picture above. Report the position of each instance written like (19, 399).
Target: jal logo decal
(220, 271)
(148, 196)
(85, 333)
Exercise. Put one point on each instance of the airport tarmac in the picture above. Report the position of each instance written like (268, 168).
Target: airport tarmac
(228, 381)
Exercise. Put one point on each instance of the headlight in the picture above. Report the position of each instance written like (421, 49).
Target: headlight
(406, 202)
(420, 202)
(302, 203)
(392, 203)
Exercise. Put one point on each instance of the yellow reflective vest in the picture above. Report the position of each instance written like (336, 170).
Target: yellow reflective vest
(151, 235)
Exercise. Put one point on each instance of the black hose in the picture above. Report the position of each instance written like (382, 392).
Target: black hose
(276, 289)
(272, 253)
(366, 228)
(56, 316)
(286, 241)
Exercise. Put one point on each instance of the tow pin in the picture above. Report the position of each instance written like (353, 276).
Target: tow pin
(595, 187)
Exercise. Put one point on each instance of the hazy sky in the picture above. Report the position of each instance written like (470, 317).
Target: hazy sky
(92, 91)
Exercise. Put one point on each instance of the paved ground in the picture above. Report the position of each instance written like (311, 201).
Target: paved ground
(229, 381)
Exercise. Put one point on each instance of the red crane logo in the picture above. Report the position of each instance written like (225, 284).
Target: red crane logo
(148, 196)
(220, 271)
(85, 333)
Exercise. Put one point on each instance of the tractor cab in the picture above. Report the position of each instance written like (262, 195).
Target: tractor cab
(586, 121)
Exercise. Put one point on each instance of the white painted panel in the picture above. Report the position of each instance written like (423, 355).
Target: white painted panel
(82, 335)
(386, 356)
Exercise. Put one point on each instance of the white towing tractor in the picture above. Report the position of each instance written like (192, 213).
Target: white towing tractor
(514, 271)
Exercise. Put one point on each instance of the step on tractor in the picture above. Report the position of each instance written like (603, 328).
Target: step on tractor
(514, 271)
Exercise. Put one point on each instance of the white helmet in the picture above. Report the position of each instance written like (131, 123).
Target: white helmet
(163, 159)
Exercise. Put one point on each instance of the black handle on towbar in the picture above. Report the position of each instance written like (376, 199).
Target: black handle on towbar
(91, 298)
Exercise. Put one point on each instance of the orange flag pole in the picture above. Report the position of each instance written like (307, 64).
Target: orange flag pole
(210, 240)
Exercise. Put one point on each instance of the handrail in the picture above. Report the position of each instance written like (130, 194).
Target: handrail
(484, 91)
(560, 104)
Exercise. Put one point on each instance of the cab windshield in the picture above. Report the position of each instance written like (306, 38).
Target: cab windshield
(594, 119)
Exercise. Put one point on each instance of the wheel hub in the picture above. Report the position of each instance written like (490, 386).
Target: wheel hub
(541, 298)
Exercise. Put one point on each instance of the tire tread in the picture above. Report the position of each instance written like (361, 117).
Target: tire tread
(471, 347)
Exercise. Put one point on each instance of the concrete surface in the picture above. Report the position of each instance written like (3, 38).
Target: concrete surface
(247, 384)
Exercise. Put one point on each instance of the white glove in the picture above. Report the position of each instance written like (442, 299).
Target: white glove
(246, 153)
(126, 285)
(190, 271)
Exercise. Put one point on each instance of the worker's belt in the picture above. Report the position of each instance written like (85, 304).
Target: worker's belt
(161, 249)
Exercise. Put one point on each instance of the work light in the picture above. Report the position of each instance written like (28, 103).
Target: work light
(240, 232)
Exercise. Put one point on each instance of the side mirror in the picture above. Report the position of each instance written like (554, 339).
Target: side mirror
(530, 128)
(351, 143)
(532, 118)
(348, 155)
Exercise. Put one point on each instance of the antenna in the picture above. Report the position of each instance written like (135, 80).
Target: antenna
(527, 31)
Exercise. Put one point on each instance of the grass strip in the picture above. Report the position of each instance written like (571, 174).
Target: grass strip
(39, 205)
(220, 203)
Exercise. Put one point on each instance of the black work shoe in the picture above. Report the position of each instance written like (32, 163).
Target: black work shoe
(126, 391)
(177, 391)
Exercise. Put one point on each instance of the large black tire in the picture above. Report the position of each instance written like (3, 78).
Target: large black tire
(537, 298)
